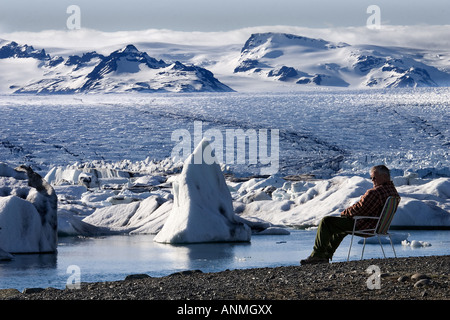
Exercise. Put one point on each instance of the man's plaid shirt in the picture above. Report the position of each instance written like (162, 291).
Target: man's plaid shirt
(371, 204)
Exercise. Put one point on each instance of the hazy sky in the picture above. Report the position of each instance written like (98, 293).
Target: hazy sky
(212, 15)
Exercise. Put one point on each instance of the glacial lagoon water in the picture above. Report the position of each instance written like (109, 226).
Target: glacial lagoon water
(114, 257)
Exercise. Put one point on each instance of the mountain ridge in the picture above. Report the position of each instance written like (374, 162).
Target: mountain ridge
(123, 70)
(265, 61)
(316, 62)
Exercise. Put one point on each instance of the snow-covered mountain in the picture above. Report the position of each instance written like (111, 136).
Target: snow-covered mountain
(124, 70)
(14, 50)
(306, 61)
(265, 61)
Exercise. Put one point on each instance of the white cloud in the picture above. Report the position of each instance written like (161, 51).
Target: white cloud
(56, 41)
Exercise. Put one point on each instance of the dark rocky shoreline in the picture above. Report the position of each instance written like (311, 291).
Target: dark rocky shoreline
(413, 278)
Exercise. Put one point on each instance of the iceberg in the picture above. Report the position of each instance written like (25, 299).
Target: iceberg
(202, 208)
(425, 202)
(20, 226)
(28, 212)
(145, 217)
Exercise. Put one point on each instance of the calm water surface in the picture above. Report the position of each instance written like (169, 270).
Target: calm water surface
(113, 257)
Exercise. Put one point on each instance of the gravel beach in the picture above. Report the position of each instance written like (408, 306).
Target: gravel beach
(417, 278)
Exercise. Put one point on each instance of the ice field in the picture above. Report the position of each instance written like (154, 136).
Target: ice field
(320, 132)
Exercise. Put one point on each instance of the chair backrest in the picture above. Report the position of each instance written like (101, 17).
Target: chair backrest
(389, 209)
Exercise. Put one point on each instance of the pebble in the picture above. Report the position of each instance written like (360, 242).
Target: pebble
(186, 272)
(32, 290)
(422, 283)
(6, 293)
(419, 276)
(337, 280)
(137, 276)
(403, 278)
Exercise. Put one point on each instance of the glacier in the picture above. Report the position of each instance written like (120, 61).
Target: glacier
(407, 129)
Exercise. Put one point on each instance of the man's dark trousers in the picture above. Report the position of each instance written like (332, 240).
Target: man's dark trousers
(331, 232)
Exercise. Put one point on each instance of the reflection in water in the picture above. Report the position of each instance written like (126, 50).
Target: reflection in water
(27, 262)
(215, 255)
(209, 256)
(27, 269)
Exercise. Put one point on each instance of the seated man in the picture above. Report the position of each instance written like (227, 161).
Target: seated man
(332, 230)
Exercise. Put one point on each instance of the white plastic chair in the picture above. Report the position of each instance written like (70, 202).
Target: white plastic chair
(381, 228)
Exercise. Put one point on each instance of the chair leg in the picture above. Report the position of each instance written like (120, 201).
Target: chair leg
(364, 246)
(392, 245)
(349, 249)
(381, 246)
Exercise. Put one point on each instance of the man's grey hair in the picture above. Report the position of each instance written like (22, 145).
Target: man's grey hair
(381, 170)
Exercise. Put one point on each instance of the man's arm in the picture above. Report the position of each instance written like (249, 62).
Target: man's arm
(366, 206)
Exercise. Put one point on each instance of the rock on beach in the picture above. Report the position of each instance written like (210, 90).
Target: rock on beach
(334, 281)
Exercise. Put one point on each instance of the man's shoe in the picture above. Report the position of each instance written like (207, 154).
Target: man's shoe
(313, 260)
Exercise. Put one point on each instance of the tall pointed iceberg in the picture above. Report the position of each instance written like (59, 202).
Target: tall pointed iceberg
(203, 208)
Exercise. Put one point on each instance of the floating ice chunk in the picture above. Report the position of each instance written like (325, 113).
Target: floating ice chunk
(20, 226)
(149, 180)
(70, 224)
(423, 204)
(203, 208)
(416, 243)
(90, 177)
(115, 217)
(136, 217)
(28, 216)
(153, 222)
(7, 171)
